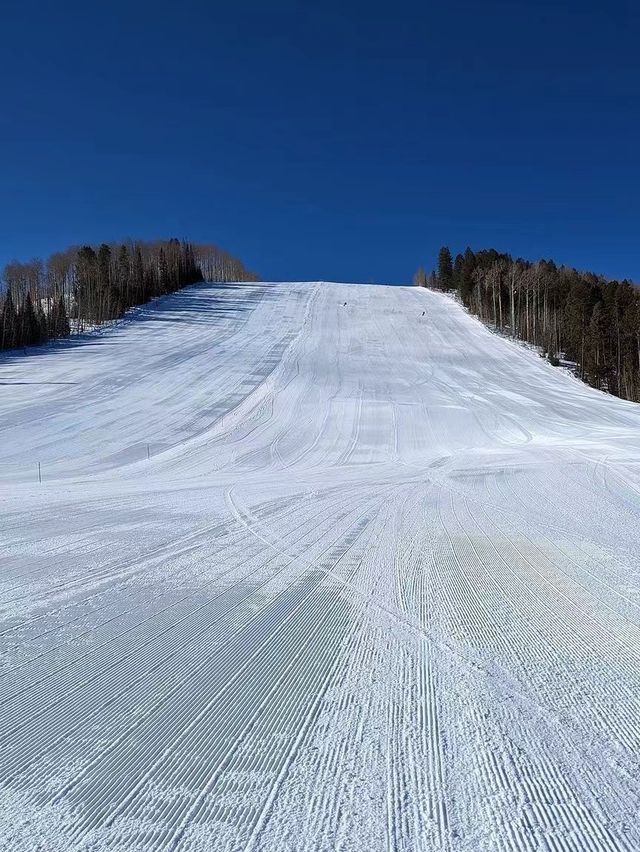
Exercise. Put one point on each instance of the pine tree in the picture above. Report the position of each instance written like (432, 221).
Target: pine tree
(59, 324)
(8, 322)
(465, 277)
(28, 328)
(445, 269)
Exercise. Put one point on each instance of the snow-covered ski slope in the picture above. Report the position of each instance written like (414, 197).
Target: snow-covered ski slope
(375, 588)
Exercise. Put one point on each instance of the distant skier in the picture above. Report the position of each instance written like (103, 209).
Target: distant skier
(423, 313)
(345, 305)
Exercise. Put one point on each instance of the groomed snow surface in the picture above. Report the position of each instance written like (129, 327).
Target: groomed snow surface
(375, 588)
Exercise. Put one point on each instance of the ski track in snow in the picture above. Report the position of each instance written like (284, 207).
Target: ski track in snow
(377, 586)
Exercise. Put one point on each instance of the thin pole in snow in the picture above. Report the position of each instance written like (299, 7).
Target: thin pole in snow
(148, 452)
(39, 474)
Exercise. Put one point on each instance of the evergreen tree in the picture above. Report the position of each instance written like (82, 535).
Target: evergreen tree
(445, 269)
(8, 321)
(59, 323)
(465, 276)
(27, 324)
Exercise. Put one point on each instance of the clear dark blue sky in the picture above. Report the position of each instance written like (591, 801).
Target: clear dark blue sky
(342, 140)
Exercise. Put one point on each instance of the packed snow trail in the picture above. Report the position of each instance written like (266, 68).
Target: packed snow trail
(307, 575)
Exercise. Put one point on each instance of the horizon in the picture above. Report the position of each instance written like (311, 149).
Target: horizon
(323, 144)
(409, 283)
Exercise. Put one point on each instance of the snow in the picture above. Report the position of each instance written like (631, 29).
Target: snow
(377, 586)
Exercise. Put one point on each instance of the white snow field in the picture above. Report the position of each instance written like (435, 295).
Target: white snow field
(377, 586)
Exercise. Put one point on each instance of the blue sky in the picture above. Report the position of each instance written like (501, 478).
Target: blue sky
(330, 140)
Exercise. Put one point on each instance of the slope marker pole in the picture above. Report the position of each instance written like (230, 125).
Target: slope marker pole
(39, 474)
